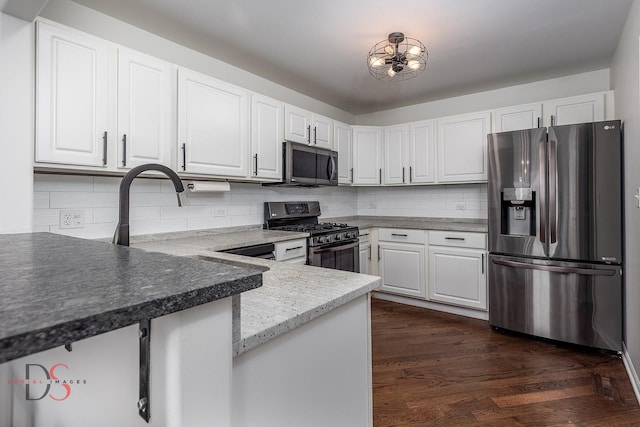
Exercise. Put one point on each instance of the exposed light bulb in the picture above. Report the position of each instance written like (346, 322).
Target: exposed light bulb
(390, 72)
(413, 51)
(389, 50)
(374, 61)
(413, 64)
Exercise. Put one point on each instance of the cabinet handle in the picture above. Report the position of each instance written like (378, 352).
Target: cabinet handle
(538, 121)
(293, 249)
(553, 119)
(380, 178)
(104, 148)
(399, 235)
(309, 134)
(184, 157)
(352, 175)
(124, 150)
(369, 257)
(379, 257)
(410, 174)
(454, 238)
(255, 163)
(363, 235)
(315, 134)
(403, 174)
(482, 263)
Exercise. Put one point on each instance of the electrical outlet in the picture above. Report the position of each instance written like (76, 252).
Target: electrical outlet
(637, 196)
(220, 212)
(71, 218)
(461, 206)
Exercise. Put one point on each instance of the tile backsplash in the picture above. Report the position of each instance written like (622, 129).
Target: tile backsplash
(154, 206)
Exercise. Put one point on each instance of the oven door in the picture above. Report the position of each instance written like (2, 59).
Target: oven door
(341, 256)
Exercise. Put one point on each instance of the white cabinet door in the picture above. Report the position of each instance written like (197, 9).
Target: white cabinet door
(322, 131)
(297, 124)
(422, 144)
(518, 117)
(577, 109)
(266, 137)
(462, 147)
(458, 276)
(367, 150)
(145, 105)
(71, 97)
(342, 135)
(395, 147)
(365, 258)
(402, 268)
(212, 125)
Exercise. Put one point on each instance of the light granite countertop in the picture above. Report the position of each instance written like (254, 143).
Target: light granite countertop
(445, 224)
(290, 295)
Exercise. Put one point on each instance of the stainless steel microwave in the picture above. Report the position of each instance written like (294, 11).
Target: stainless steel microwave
(307, 165)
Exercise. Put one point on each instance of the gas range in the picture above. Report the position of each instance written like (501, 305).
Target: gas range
(323, 233)
(331, 245)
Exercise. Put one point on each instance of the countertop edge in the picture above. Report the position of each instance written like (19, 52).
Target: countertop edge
(245, 344)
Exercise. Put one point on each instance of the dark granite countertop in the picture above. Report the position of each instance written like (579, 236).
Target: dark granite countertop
(58, 289)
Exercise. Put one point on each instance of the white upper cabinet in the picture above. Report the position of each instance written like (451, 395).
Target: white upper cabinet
(306, 127)
(322, 131)
(519, 117)
(71, 97)
(145, 105)
(297, 124)
(367, 153)
(212, 125)
(462, 147)
(422, 152)
(266, 137)
(577, 109)
(395, 153)
(342, 138)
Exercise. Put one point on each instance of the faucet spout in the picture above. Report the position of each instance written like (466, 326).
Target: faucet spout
(121, 236)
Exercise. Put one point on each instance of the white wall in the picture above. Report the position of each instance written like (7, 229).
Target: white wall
(96, 23)
(624, 79)
(16, 124)
(577, 84)
(154, 207)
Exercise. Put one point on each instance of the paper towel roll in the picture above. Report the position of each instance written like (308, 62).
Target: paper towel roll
(208, 186)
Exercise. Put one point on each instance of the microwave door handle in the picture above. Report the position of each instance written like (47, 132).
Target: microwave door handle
(333, 168)
(338, 248)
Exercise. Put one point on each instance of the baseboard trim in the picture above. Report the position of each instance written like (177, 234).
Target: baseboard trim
(631, 371)
(460, 311)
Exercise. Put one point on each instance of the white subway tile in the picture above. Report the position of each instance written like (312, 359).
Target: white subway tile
(186, 212)
(90, 231)
(210, 222)
(44, 182)
(72, 200)
(46, 217)
(40, 200)
(158, 226)
(40, 229)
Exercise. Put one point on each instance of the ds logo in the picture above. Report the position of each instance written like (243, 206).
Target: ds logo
(52, 379)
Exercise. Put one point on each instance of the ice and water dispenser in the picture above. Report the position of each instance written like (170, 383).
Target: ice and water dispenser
(518, 212)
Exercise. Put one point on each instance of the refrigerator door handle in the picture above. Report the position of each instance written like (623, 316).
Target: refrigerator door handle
(543, 192)
(555, 269)
(553, 180)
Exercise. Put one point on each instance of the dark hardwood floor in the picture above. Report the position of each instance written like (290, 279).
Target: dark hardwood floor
(437, 369)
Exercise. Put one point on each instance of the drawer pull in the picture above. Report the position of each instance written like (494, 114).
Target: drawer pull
(399, 235)
(454, 238)
(363, 235)
(293, 249)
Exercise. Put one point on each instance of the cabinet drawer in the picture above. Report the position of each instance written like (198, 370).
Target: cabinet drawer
(364, 235)
(291, 249)
(458, 239)
(401, 235)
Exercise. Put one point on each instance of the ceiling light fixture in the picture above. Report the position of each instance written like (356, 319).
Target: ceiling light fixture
(397, 58)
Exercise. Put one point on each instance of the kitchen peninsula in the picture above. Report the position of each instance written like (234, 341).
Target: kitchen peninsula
(306, 322)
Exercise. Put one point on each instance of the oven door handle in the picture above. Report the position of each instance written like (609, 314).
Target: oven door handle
(337, 248)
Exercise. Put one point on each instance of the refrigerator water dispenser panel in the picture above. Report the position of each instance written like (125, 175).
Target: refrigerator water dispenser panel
(518, 212)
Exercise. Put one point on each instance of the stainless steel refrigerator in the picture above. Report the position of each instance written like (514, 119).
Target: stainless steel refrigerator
(555, 233)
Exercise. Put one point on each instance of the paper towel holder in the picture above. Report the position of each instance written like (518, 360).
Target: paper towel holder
(208, 186)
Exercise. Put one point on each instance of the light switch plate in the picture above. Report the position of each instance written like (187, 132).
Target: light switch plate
(637, 196)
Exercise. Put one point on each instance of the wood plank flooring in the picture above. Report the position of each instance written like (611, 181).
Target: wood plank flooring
(437, 369)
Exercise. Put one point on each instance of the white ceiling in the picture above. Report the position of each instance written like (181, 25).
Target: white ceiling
(319, 48)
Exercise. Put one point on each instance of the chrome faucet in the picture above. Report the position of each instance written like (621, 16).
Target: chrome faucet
(121, 236)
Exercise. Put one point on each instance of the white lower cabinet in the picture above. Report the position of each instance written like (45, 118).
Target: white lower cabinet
(365, 251)
(401, 262)
(457, 269)
(293, 251)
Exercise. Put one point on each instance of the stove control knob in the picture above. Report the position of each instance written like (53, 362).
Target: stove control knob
(338, 237)
(322, 240)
